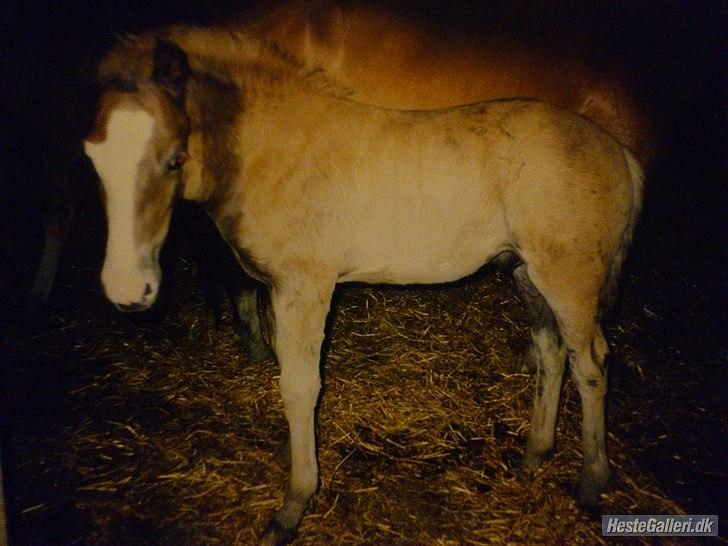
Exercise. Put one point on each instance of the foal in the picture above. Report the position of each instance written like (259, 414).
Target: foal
(311, 189)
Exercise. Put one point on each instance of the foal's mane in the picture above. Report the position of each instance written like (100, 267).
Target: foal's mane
(229, 55)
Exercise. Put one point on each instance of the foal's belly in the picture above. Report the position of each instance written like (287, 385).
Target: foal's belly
(415, 272)
(434, 257)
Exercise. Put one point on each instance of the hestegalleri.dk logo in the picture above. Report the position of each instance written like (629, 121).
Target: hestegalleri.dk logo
(659, 525)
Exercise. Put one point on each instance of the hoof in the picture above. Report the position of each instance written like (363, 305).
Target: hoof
(531, 461)
(590, 488)
(275, 534)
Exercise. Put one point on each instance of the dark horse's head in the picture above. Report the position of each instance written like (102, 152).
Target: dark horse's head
(138, 146)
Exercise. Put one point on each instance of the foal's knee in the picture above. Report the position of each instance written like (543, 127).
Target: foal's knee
(299, 392)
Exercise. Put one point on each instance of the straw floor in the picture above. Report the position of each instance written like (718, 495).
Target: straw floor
(155, 429)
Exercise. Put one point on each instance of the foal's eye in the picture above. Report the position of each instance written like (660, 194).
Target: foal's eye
(176, 161)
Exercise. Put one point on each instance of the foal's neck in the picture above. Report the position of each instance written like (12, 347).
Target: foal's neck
(233, 114)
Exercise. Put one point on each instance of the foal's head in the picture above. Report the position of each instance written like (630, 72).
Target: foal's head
(138, 147)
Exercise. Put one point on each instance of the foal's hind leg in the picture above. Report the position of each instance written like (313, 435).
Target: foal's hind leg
(548, 354)
(573, 294)
(587, 366)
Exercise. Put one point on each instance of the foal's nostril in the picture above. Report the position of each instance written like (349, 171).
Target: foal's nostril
(147, 290)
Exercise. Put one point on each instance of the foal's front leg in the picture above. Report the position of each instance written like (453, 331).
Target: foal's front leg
(299, 308)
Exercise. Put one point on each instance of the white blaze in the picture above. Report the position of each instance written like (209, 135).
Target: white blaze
(117, 161)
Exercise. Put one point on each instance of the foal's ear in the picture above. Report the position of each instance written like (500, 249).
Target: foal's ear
(171, 67)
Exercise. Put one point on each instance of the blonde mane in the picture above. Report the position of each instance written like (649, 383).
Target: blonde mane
(234, 56)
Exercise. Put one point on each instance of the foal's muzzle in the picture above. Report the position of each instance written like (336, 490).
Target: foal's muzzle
(148, 300)
(128, 302)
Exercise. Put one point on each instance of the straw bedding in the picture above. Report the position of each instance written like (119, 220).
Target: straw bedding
(155, 429)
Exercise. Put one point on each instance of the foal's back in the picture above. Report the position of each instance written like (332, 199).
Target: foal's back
(429, 196)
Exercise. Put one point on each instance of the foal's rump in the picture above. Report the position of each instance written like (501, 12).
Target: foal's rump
(573, 193)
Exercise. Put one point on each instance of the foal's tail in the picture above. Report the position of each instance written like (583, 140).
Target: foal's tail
(610, 285)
